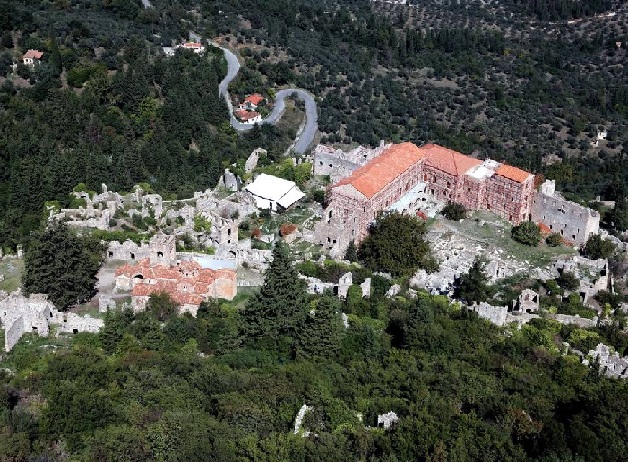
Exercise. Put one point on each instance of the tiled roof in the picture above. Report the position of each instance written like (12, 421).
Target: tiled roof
(379, 172)
(447, 160)
(192, 45)
(196, 280)
(512, 173)
(246, 115)
(33, 54)
(254, 99)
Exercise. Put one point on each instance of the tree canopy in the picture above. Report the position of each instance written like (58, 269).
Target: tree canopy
(396, 244)
(527, 233)
(63, 265)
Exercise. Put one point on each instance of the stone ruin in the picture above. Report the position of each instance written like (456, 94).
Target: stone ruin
(20, 315)
(611, 364)
(161, 248)
(316, 286)
(339, 164)
(253, 159)
(527, 302)
(574, 222)
(594, 275)
(524, 309)
(387, 420)
(456, 254)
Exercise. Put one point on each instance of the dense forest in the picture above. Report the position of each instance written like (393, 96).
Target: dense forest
(228, 384)
(104, 107)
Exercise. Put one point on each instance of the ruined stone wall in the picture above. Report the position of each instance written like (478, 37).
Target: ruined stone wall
(330, 163)
(13, 332)
(339, 164)
(495, 314)
(574, 222)
(160, 249)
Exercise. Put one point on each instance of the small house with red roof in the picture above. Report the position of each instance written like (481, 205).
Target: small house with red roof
(196, 47)
(187, 283)
(248, 117)
(251, 102)
(32, 57)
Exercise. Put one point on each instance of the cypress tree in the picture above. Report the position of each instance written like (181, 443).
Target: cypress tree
(275, 316)
(63, 265)
(323, 328)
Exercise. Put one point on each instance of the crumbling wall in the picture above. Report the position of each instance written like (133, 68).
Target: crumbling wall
(574, 222)
(13, 332)
(495, 314)
(339, 164)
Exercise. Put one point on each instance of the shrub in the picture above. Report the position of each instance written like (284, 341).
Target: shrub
(554, 240)
(453, 211)
(527, 233)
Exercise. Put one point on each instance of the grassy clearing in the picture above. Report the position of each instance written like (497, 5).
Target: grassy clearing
(12, 272)
(495, 232)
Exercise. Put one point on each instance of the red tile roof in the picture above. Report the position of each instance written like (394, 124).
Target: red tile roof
(447, 160)
(512, 173)
(192, 45)
(254, 99)
(186, 283)
(379, 172)
(246, 115)
(33, 54)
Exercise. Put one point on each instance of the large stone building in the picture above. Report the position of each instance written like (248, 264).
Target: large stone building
(406, 171)
(574, 222)
(187, 283)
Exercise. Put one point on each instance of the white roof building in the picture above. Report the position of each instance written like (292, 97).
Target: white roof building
(270, 191)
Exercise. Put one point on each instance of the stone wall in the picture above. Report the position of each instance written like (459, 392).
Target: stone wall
(13, 332)
(574, 222)
(160, 249)
(339, 164)
(495, 314)
(20, 315)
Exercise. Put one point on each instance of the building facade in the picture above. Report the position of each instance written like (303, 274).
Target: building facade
(406, 171)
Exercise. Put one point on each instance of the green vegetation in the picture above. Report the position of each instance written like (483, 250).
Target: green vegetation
(554, 240)
(228, 384)
(597, 248)
(63, 265)
(454, 211)
(527, 233)
(396, 244)
(202, 224)
(473, 285)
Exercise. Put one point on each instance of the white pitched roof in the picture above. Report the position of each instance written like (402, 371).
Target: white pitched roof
(274, 189)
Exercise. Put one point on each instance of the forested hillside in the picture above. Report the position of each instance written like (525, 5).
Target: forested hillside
(228, 384)
(102, 107)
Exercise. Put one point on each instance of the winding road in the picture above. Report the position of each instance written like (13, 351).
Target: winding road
(305, 137)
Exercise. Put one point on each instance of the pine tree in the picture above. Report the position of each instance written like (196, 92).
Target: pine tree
(323, 328)
(275, 316)
(352, 252)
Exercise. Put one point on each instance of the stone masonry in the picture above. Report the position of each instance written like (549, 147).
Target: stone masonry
(20, 314)
(574, 222)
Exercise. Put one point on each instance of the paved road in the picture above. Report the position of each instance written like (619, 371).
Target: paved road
(305, 137)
